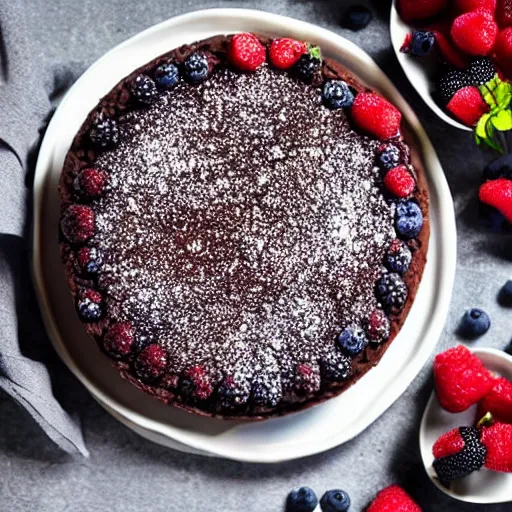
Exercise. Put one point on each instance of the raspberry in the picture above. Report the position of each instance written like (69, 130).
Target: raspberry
(89, 261)
(196, 384)
(399, 257)
(266, 392)
(497, 439)
(144, 89)
(378, 327)
(246, 52)
(77, 223)
(151, 363)
(475, 32)
(104, 133)
(393, 499)
(118, 341)
(392, 292)
(498, 194)
(196, 68)
(285, 52)
(461, 379)
(468, 106)
(498, 401)
(503, 49)
(413, 10)
(89, 183)
(306, 380)
(473, 5)
(335, 367)
(400, 182)
(504, 13)
(375, 115)
(233, 394)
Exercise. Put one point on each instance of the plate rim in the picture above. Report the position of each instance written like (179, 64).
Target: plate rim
(435, 176)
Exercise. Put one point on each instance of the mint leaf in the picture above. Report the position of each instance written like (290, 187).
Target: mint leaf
(503, 94)
(502, 120)
(315, 51)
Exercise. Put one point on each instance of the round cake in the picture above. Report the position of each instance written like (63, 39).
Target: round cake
(244, 226)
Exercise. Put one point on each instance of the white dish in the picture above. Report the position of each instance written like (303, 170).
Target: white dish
(482, 486)
(416, 71)
(298, 435)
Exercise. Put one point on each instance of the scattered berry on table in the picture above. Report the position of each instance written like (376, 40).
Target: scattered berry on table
(498, 401)
(144, 89)
(233, 394)
(451, 80)
(335, 367)
(389, 156)
(409, 219)
(458, 453)
(266, 392)
(337, 94)
(474, 323)
(378, 326)
(167, 76)
(497, 440)
(503, 49)
(399, 257)
(508, 349)
(391, 292)
(400, 182)
(461, 379)
(393, 499)
(196, 68)
(151, 363)
(420, 43)
(285, 52)
(499, 168)
(89, 261)
(90, 183)
(375, 115)
(468, 105)
(77, 223)
(506, 293)
(308, 66)
(335, 501)
(196, 383)
(306, 379)
(119, 340)
(481, 70)
(416, 10)
(498, 194)
(475, 32)
(352, 340)
(104, 133)
(301, 500)
(246, 52)
(356, 17)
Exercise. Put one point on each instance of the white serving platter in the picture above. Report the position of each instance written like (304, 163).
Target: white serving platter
(294, 436)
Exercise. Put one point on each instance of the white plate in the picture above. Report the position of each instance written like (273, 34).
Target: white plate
(482, 486)
(297, 435)
(416, 70)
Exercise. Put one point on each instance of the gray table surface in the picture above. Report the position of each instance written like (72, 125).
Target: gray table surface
(126, 473)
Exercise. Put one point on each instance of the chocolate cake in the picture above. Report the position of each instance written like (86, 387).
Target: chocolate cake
(244, 226)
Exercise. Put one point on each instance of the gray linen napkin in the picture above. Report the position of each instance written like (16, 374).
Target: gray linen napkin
(27, 361)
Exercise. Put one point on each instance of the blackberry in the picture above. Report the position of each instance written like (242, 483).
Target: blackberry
(233, 394)
(450, 81)
(306, 380)
(167, 76)
(481, 70)
(266, 392)
(337, 94)
(352, 340)
(196, 68)
(398, 258)
(392, 292)
(335, 367)
(307, 66)
(88, 261)
(151, 363)
(195, 383)
(389, 156)
(144, 90)
(104, 134)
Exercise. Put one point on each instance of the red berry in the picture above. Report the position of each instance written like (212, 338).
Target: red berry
(473, 5)
(504, 13)
(461, 379)
(498, 194)
(90, 294)
(413, 10)
(448, 444)
(196, 383)
(118, 340)
(449, 51)
(498, 401)
(503, 51)
(475, 32)
(285, 52)
(90, 182)
(393, 499)
(307, 379)
(375, 115)
(400, 182)
(151, 362)
(498, 441)
(246, 52)
(77, 223)
(378, 327)
(467, 105)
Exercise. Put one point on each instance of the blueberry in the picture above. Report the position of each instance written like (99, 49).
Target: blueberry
(491, 218)
(337, 94)
(506, 293)
(335, 501)
(89, 311)
(144, 89)
(167, 76)
(409, 219)
(399, 257)
(422, 43)
(392, 292)
(196, 68)
(301, 500)
(306, 67)
(474, 323)
(356, 17)
(499, 168)
(352, 340)
(389, 156)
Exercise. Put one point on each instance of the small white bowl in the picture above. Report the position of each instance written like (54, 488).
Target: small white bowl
(417, 71)
(482, 486)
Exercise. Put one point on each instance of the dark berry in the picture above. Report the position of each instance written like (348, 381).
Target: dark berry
(167, 76)
(474, 323)
(450, 81)
(335, 501)
(356, 17)
(233, 394)
(337, 94)
(499, 168)
(481, 70)
(89, 305)
(301, 500)
(266, 392)
(306, 380)
(89, 183)
(196, 68)
(151, 363)
(508, 349)
(408, 219)
(392, 292)
(352, 340)
(399, 257)
(506, 293)
(335, 367)
(77, 223)
(104, 133)
(389, 156)
(196, 384)
(119, 340)
(378, 327)
(307, 66)
(89, 261)
(422, 43)
(144, 89)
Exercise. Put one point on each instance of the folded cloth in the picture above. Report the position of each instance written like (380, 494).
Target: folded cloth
(27, 362)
